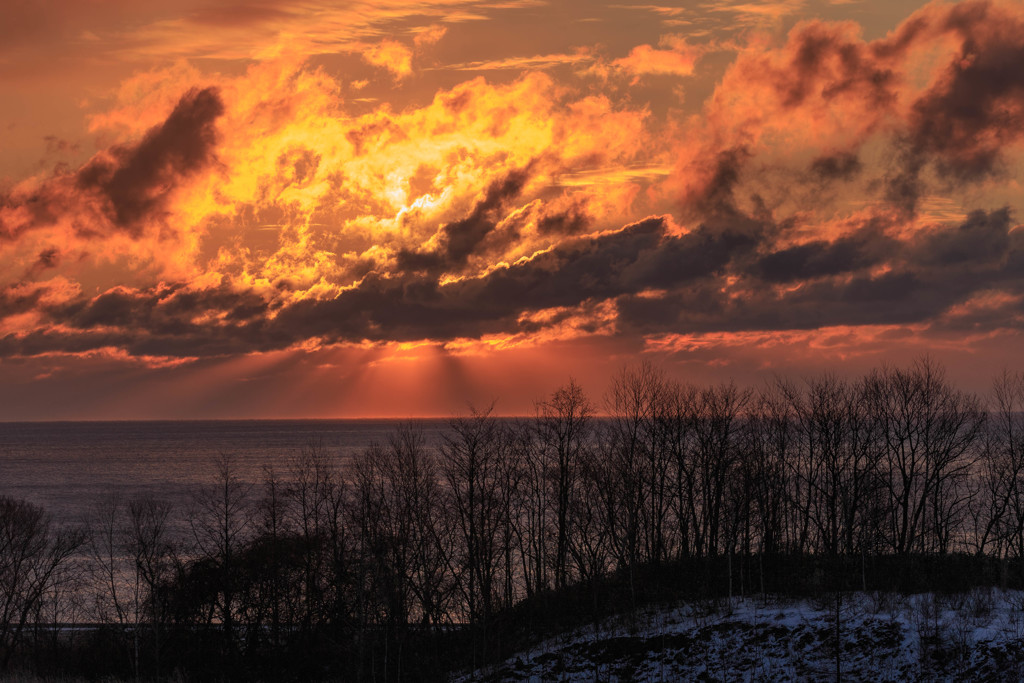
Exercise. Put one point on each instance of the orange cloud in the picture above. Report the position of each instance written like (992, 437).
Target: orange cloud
(264, 183)
(391, 55)
(644, 59)
(827, 105)
(757, 13)
(429, 35)
(824, 197)
(518, 63)
(268, 30)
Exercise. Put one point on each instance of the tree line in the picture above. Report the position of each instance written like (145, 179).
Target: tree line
(409, 558)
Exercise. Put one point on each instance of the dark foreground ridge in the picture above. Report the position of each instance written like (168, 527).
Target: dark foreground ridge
(931, 618)
(418, 561)
(974, 635)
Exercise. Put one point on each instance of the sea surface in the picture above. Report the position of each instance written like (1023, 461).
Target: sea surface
(69, 467)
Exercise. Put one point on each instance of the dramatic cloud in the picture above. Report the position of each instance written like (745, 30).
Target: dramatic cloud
(137, 181)
(391, 55)
(973, 113)
(680, 60)
(462, 238)
(277, 180)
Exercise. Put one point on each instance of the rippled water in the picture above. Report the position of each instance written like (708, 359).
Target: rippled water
(68, 466)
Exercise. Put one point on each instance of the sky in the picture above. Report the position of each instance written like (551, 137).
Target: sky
(254, 209)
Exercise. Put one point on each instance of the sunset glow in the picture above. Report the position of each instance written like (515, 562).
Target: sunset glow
(274, 209)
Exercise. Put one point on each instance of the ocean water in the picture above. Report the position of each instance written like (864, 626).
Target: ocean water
(68, 467)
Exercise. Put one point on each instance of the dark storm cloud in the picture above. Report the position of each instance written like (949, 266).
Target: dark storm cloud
(838, 166)
(963, 124)
(41, 208)
(959, 126)
(13, 302)
(826, 63)
(983, 238)
(721, 276)
(139, 179)
(717, 195)
(862, 300)
(462, 238)
(926, 275)
(48, 258)
(163, 321)
(822, 67)
(167, 309)
(956, 130)
(131, 183)
(818, 258)
(891, 298)
(641, 256)
(415, 306)
(979, 107)
(174, 321)
(571, 222)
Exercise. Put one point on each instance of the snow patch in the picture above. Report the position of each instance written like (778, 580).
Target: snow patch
(882, 637)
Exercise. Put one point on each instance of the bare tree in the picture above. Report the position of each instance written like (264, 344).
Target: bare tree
(109, 562)
(718, 436)
(469, 460)
(678, 417)
(930, 432)
(628, 447)
(511, 477)
(415, 476)
(32, 554)
(998, 507)
(273, 514)
(862, 493)
(316, 497)
(565, 430)
(221, 522)
(530, 505)
(835, 466)
(770, 449)
(153, 555)
(397, 513)
(589, 533)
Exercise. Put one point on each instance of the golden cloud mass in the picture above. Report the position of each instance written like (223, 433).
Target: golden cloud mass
(303, 179)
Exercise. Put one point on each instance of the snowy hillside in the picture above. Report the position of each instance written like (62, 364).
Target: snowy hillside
(884, 637)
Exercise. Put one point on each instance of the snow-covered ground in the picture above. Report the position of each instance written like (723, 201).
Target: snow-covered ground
(977, 635)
